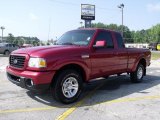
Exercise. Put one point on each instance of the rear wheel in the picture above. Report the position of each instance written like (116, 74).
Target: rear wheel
(137, 76)
(106, 77)
(6, 52)
(68, 86)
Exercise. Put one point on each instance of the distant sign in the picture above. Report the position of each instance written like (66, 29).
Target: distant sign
(87, 12)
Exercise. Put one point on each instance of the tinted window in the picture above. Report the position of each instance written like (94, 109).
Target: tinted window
(10, 45)
(104, 35)
(13, 45)
(119, 40)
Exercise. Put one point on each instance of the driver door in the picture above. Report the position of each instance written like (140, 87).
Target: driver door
(103, 59)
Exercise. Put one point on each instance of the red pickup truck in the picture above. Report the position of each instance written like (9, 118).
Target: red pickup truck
(78, 57)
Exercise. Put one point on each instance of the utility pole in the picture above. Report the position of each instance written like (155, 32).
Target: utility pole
(81, 23)
(2, 28)
(121, 6)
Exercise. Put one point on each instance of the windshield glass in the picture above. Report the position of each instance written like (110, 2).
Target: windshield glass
(76, 37)
(2, 44)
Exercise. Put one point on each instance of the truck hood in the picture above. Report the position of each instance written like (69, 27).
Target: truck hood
(43, 51)
(32, 50)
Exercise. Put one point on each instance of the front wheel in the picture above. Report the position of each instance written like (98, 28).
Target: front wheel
(67, 87)
(137, 76)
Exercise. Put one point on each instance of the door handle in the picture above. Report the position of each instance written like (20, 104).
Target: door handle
(84, 56)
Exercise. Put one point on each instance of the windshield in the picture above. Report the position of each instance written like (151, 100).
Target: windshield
(76, 37)
(2, 44)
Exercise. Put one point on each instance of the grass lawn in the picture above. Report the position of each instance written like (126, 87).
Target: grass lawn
(155, 55)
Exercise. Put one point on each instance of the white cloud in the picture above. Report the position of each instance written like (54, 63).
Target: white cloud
(153, 7)
(33, 16)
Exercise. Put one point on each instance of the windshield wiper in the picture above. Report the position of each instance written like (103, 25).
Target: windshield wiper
(68, 43)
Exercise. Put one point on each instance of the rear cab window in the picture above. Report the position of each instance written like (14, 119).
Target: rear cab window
(120, 41)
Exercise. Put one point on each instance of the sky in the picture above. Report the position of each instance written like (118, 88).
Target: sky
(48, 19)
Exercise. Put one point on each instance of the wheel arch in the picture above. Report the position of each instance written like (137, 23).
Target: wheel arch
(5, 51)
(72, 66)
(143, 62)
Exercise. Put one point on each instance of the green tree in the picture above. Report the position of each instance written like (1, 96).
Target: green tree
(141, 36)
(98, 25)
(10, 38)
(115, 27)
(154, 33)
(48, 43)
(15, 41)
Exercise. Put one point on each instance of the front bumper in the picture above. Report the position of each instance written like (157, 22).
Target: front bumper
(31, 80)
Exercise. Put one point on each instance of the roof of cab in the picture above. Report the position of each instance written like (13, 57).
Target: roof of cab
(98, 29)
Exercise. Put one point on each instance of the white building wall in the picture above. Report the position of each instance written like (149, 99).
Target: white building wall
(136, 45)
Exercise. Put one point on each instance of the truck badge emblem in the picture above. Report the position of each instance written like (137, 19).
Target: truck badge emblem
(15, 61)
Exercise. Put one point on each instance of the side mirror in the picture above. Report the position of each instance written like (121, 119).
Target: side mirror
(100, 44)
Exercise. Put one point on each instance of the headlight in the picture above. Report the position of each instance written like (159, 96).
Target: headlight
(37, 62)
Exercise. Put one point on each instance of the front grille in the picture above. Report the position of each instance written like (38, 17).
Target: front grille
(17, 61)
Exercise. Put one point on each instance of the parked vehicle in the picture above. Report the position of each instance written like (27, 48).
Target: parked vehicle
(7, 48)
(78, 57)
(26, 45)
(153, 46)
(158, 46)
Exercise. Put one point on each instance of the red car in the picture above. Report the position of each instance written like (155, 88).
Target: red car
(78, 57)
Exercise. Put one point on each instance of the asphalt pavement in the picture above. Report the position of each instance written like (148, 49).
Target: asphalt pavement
(115, 98)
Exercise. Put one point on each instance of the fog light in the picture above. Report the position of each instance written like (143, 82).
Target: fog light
(29, 83)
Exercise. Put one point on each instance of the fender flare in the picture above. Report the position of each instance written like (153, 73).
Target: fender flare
(137, 62)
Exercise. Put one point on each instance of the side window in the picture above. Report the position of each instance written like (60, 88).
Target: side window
(8, 45)
(104, 35)
(13, 45)
(119, 40)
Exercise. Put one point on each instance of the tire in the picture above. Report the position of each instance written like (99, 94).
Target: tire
(6, 52)
(137, 76)
(63, 89)
(106, 77)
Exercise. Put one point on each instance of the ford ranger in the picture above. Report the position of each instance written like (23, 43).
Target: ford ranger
(78, 57)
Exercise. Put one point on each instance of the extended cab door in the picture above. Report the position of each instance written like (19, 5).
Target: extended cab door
(121, 54)
(103, 59)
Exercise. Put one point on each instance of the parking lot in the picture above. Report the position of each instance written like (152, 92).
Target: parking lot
(115, 98)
